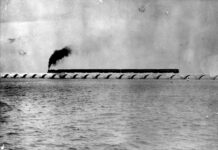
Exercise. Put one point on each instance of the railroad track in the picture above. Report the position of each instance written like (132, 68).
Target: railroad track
(130, 76)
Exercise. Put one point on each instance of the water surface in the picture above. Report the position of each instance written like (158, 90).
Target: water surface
(109, 114)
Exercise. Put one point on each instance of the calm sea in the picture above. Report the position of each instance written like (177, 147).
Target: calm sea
(108, 114)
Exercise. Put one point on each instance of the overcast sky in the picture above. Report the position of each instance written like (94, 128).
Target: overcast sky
(179, 34)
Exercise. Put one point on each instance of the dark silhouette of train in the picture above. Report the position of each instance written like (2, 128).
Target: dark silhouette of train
(113, 70)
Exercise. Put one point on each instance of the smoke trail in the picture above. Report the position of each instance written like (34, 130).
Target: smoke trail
(58, 55)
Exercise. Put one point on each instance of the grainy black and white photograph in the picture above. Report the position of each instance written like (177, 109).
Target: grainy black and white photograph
(108, 74)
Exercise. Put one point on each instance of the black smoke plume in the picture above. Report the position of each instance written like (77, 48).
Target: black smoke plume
(58, 55)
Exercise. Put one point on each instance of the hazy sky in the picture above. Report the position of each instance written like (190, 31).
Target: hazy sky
(110, 34)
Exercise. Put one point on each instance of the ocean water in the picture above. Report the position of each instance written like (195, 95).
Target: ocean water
(108, 114)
